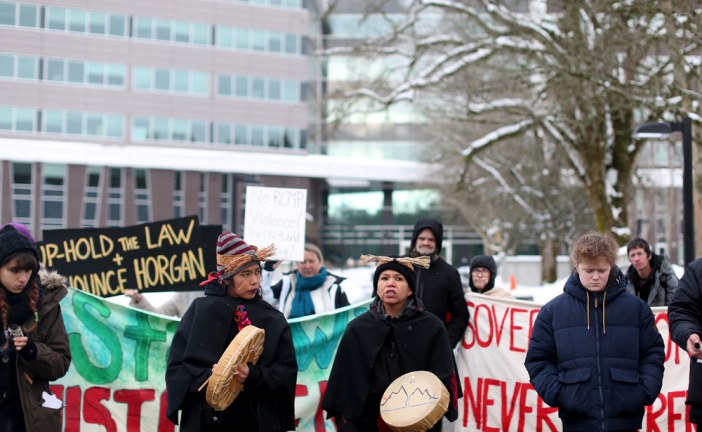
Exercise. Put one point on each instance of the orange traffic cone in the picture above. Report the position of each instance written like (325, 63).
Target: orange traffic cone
(512, 282)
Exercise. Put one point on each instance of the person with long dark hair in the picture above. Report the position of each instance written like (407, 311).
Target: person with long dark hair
(34, 347)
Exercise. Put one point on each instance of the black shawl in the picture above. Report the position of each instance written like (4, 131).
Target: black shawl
(203, 334)
(422, 344)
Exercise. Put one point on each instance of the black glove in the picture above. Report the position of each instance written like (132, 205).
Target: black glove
(268, 265)
(29, 352)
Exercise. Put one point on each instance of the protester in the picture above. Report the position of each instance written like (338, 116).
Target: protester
(310, 289)
(685, 317)
(439, 287)
(176, 305)
(483, 271)
(232, 299)
(395, 336)
(650, 277)
(595, 352)
(34, 347)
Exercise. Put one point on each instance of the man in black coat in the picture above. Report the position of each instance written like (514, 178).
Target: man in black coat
(439, 287)
(685, 316)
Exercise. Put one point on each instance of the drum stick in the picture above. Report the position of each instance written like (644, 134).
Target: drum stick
(208, 380)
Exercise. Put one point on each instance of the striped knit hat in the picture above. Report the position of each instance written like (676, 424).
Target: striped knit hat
(234, 254)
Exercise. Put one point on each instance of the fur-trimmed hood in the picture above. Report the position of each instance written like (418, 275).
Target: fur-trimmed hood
(53, 286)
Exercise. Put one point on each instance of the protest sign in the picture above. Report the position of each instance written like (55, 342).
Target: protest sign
(116, 380)
(159, 256)
(276, 215)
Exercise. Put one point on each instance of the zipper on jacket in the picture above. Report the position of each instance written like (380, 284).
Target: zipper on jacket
(599, 366)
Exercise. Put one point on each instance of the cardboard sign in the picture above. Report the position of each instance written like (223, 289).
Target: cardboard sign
(276, 215)
(159, 256)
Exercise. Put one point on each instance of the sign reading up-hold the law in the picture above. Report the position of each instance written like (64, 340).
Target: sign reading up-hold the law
(276, 215)
(159, 256)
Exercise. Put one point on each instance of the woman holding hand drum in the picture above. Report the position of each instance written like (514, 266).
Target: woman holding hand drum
(232, 301)
(394, 337)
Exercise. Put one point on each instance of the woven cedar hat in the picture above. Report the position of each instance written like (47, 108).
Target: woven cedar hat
(234, 254)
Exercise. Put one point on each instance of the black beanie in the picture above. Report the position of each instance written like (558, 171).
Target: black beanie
(396, 266)
(12, 241)
(486, 262)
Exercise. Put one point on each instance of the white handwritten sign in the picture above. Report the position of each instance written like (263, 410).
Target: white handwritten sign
(276, 215)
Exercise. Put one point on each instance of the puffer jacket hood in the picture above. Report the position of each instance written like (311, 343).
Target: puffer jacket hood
(616, 285)
(435, 226)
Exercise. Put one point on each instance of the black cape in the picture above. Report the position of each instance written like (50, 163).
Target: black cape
(422, 344)
(204, 333)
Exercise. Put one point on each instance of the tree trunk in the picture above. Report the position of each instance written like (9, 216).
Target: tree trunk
(549, 265)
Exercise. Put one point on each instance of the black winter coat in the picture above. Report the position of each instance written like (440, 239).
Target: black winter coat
(374, 351)
(598, 357)
(439, 287)
(267, 401)
(685, 316)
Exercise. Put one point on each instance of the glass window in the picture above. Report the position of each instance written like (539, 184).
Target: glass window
(56, 18)
(74, 123)
(96, 73)
(289, 138)
(257, 136)
(257, 88)
(291, 43)
(163, 30)
(224, 36)
(181, 31)
(201, 83)
(180, 80)
(90, 210)
(241, 135)
(275, 41)
(143, 27)
(54, 70)
(25, 119)
(201, 34)
(143, 78)
(26, 67)
(96, 22)
(5, 118)
(93, 124)
(117, 24)
(224, 84)
(53, 121)
(258, 40)
(242, 86)
(242, 38)
(7, 66)
(199, 131)
(114, 126)
(303, 139)
(115, 75)
(140, 130)
(162, 79)
(292, 91)
(75, 71)
(22, 208)
(223, 133)
(160, 131)
(180, 130)
(7, 13)
(76, 20)
(274, 89)
(28, 15)
(273, 137)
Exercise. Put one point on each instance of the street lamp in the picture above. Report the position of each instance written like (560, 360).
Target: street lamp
(662, 130)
